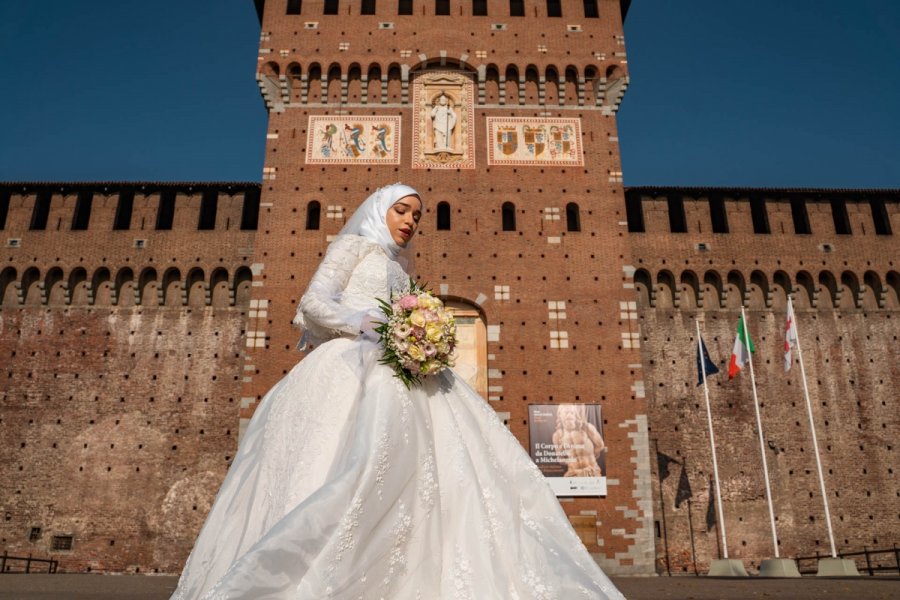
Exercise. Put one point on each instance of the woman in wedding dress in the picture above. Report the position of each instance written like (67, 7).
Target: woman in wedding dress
(349, 486)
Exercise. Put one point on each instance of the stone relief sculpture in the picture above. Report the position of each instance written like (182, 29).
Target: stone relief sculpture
(443, 122)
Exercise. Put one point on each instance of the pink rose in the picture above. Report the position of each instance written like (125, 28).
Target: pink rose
(409, 301)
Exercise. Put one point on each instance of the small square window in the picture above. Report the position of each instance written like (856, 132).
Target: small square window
(61, 542)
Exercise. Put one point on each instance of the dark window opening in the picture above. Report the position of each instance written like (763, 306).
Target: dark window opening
(165, 213)
(634, 213)
(509, 216)
(294, 7)
(717, 215)
(573, 217)
(35, 534)
(61, 542)
(442, 7)
(4, 207)
(443, 216)
(313, 213)
(759, 215)
(590, 9)
(554, 8)
(250, 211)
(41, 211)
(880, 217)
(82, 215)
(677, 218)
(208, 205)
(517, 8)
(800, 216)
(367, 7)
(405, 7)
(331, 7)
(840, 217)
(479, 8)
(124, 209)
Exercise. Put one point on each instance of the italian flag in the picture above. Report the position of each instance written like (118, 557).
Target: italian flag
(743, 346)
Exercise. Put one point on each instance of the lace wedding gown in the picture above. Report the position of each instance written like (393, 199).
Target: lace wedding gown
(349, 486)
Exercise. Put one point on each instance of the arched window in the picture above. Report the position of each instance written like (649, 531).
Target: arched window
(509, 216)
(313, 212)
(573, 217)
(443, 216)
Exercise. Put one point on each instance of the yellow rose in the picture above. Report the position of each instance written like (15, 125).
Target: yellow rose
(433, 332)
(417, 319)
(416, 353)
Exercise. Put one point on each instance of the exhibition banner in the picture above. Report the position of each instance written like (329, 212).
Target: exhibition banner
(566, 443)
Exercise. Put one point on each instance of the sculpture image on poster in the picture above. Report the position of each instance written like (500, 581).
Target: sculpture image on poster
(566, 443)
(353, 140)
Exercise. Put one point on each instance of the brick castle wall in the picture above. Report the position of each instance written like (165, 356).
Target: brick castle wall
(121, 372)
(846, 290)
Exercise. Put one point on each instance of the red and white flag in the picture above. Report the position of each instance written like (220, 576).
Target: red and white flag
(790, 336)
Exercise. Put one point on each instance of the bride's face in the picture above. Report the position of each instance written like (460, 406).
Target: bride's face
(403, 219)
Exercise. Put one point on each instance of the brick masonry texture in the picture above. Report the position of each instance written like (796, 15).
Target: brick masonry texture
(846, 291)
(111, 338)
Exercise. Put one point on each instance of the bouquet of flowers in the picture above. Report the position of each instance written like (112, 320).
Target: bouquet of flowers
(418, 335)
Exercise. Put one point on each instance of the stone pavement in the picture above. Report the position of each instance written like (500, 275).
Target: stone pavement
(158, 587)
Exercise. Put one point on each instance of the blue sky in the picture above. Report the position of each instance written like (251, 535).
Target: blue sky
(763, 93)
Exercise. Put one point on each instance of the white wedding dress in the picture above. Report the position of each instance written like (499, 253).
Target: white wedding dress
(349, 486)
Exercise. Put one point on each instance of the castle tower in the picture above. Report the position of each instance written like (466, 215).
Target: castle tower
(503, 115)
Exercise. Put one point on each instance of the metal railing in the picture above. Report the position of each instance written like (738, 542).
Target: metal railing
(808, 565)
(6, 567)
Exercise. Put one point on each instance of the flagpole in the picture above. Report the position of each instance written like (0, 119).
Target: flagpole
(712, 440)
(762, 447)
(812, 428)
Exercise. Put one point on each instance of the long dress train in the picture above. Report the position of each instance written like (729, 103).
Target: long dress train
(349, 486)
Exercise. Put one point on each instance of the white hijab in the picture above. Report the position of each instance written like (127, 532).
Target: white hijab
(370, 219)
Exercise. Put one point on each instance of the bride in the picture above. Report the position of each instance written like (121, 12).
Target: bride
(349, 486)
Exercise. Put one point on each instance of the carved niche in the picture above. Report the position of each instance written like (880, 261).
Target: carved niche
(443, 121)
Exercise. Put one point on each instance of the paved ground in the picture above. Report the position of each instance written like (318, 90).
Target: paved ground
(150, 587)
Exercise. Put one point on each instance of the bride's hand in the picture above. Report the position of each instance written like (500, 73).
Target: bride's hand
(367, 328)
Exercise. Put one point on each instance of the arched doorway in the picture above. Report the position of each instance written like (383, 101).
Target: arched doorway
(471, 335)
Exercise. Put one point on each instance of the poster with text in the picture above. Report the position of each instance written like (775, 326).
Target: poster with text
(566, 443)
